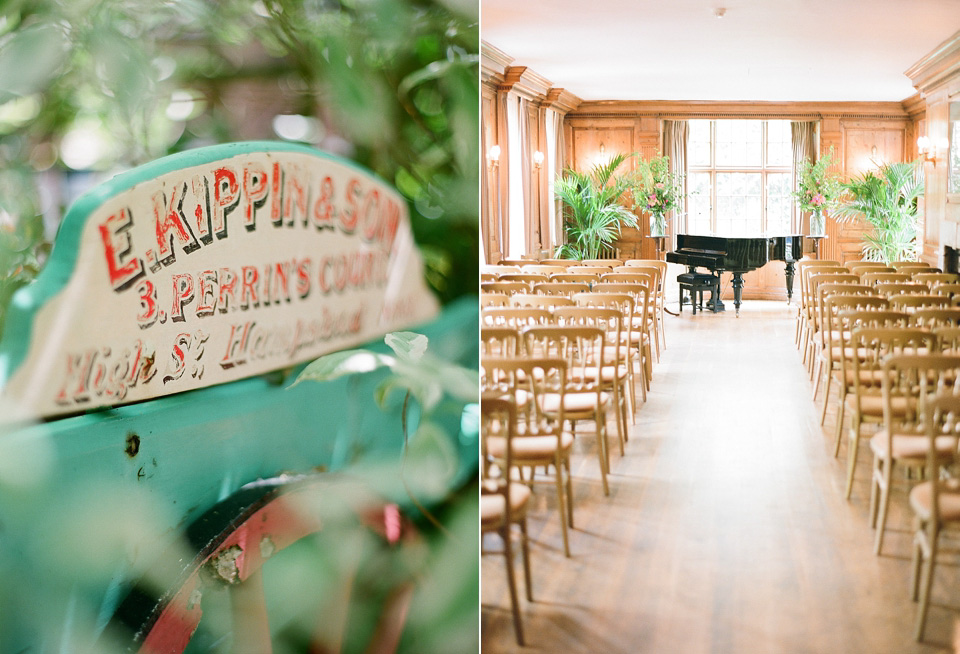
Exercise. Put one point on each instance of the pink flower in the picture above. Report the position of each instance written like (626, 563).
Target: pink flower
(658, 185)
(817, 199)
(652, 200)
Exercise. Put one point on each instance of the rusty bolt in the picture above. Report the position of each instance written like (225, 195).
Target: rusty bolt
(133, 445)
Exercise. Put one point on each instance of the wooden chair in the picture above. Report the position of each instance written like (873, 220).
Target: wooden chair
(872, 346)
(908, 383)
(566, 289)
(541, 440)
(589, 270)
(642, 335)
(660, 291)
(935, 502)
(847, 321)
(520, 263)
(503, 500)
(624, 303)
(500, 269)
(583, 348)
(488, 277)
(615, 376)
(915, 302)
(544, 269)
(604, 263)
(914, 266)
(649, 277)
(815, 335)
(804, 269)
(565, 263)
(948, 339)
(836, 337)
(933, 317)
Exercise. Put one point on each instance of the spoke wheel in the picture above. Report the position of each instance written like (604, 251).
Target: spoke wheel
(234, 539)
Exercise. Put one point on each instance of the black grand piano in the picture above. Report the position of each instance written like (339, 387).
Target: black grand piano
(737, 255)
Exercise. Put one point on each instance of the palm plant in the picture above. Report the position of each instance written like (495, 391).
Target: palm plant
(592, 209)
(887, 200)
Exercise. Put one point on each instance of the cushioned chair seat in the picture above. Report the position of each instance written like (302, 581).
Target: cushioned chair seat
(921, 500)
(911, 446)
(526, 447)
(493, 509)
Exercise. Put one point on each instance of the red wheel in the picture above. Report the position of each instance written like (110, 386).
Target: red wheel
(233, 541)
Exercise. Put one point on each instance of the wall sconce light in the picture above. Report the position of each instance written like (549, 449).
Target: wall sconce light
(929, 150)
(602, 150)
(537, 159)
(493, 154)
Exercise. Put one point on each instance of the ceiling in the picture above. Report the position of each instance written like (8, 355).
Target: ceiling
(759, 50)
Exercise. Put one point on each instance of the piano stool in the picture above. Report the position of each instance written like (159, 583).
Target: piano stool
(696, 284)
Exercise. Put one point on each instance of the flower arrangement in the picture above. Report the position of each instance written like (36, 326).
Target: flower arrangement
(656, 190)
(817, 190)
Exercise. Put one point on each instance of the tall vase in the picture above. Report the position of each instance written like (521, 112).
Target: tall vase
(658, 225)
(818, 223)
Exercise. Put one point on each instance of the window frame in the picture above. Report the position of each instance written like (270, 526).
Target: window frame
(764, 169)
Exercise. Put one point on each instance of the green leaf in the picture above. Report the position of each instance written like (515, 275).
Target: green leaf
(339, 364)
(31, 59)
(408, 346)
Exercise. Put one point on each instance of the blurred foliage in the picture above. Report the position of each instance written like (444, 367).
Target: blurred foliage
(393, 85)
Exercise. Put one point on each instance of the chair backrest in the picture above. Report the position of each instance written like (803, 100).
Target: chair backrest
(494, 300)
(872, 278)
(950, 289)
(913, 266)
(649, 279)
(604, 263)
(501, 269)
(487, 277)
(527, 278)
(536, 301)
(498, 420)
(589, 270)
(909, 382)
(833, 306)
(517, 317)
(566, 289)
(874, 344)
(640, 292)
(581, 346)
(499, 341)
(875, 266)
(942, 417)
(516, 262)
(507, 288)
(894, 288)
(805, 269)
(933, 317)
(949, 338)
(610, 320)
(558, 262)
(544, 269)
(933, 278)
(536, 378)
(912, 302)
(576, 277)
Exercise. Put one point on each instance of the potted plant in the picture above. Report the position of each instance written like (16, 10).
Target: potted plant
(592, 209)
(817, 190)
(656, 190)
(887, 200)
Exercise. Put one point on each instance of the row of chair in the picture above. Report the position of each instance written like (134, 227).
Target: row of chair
(893, 354)
(549, 362)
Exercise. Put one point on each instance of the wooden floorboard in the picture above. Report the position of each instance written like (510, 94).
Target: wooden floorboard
(726, 529)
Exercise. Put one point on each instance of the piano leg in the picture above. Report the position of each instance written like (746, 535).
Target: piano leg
(737, 290)
(789, 273)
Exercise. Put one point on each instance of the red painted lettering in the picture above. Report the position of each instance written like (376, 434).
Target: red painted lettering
(207, 297)
(249, 296)
(122, 269)
(226, 197)
(255, 188)
(182, 294)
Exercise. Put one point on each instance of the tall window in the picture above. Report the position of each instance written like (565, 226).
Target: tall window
(738, 177)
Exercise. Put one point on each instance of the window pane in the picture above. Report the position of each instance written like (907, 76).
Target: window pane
(739, 143)
(779, 203)
(739, 204)
(779, 147)
(699, 143)
(698, 204)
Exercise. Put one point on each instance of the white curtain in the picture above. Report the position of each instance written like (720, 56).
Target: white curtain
(675, 133)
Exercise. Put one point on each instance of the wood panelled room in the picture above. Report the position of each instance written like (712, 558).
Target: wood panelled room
(720, 326)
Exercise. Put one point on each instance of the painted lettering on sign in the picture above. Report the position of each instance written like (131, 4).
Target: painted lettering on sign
(227, 268)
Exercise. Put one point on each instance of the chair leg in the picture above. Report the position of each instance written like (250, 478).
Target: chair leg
(925, 584)
(512, 582)
(561, 510)
(917, 559)
(884, 506)
(525, 552)
(852, 448)
(841, 405)
(569, 484)
(602, 450)
(826, 396)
